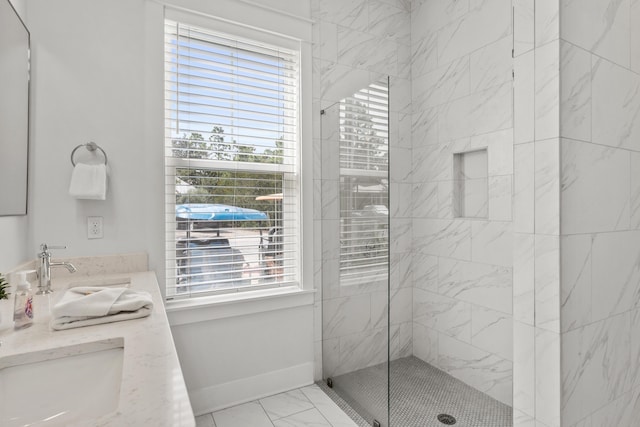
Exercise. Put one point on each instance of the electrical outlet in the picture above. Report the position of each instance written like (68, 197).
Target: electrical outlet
(94, 227)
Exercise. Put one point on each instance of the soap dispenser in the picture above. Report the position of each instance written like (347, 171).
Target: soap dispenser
(23, 307)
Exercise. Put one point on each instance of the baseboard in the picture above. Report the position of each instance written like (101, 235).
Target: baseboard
(244, 390)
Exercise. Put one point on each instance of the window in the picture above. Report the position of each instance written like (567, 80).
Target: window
(231, 162)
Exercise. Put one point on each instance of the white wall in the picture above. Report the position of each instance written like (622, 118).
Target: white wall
(88, 84)
(14, 229)
(235, 359)
(98, 76)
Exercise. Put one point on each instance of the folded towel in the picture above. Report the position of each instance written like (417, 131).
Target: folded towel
(89, 182)
(87, 305)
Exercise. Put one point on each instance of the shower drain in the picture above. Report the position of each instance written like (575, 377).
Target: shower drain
(446, 419)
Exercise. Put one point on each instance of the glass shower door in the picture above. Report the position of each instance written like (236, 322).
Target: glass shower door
(355, 230)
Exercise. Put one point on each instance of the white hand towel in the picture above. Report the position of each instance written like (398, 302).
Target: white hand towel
(85, 306)
(89, 182)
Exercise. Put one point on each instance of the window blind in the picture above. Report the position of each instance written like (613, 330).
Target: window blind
(231, 163)
(364, 185)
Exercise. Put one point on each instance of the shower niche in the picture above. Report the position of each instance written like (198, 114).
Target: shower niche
(471, 184)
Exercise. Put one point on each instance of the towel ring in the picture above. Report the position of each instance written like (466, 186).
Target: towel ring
(91, 146)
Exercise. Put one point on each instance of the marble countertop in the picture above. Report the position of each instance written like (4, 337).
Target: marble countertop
(153, 392)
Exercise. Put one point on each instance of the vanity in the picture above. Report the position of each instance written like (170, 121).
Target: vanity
(115, 374)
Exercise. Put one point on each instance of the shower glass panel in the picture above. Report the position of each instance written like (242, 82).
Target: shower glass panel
(355, 221)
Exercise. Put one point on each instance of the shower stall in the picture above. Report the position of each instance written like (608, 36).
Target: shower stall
(513, 198)
(414, 316)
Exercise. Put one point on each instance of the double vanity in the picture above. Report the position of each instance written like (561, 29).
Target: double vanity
(114, 374)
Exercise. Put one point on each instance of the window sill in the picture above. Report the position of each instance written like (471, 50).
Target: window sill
(214, 307)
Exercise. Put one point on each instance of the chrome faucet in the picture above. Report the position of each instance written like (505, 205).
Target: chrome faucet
(44, 268)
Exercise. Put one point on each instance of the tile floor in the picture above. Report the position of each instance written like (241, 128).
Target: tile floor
(304, 407)
(418, 393)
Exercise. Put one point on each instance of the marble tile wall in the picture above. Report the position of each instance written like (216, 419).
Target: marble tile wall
(600, 234)
(536, 220)
(462, 266)
(355, 43)
(563, 194)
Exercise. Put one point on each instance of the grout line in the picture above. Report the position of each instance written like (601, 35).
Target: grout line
(264, 410)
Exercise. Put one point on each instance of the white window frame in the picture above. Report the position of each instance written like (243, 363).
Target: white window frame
(300, 35)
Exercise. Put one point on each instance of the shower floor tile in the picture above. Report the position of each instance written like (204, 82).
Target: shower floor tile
(419, 393)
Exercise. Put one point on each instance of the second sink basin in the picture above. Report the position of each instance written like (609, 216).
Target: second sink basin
(61, 386)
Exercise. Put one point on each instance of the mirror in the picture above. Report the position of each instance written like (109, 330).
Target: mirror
(14, 111)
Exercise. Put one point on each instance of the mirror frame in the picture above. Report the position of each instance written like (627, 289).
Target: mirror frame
(24, 211)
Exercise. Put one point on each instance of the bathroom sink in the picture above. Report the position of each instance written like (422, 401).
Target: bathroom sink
(61, 386)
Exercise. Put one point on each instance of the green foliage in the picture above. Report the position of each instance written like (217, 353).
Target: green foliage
(367, 149)
(237, 188)
(195, 195)
(194, 146)
(4, 288)
(276, 155)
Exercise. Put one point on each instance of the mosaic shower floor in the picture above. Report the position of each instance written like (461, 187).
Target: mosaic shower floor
(419, 393)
